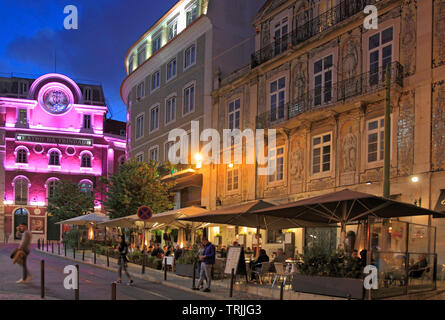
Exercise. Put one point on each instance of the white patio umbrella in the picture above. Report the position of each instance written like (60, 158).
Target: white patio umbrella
(92, 218)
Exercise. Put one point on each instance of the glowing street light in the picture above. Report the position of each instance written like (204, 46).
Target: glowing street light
(198, 158)
(415, 179)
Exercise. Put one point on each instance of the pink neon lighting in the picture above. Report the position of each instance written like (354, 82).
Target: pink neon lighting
(55, 76)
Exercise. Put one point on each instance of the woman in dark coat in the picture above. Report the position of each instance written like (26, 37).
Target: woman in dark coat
(123, 251)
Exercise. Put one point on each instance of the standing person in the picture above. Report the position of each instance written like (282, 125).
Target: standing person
(25, 247)
(207, 261)
(123, 251)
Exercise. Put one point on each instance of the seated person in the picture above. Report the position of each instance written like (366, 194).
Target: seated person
(178, 252)
(256, 265)
(169, 251)
(280, 258)
(157, 251)
(417, 269)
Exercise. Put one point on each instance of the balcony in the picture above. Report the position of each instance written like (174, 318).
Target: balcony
(362, 87)
(321, 23)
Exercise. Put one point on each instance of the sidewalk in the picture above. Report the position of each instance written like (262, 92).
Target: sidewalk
(17, 296)
(219, 288)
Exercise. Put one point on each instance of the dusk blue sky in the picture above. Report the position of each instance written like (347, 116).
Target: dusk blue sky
(32, 30)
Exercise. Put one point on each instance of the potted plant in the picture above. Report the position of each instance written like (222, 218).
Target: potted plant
(184, 264)
(218, 239)
(332, 274)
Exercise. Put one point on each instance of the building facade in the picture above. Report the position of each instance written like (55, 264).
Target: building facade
(317, 76)
(170, 79)
(52, 129)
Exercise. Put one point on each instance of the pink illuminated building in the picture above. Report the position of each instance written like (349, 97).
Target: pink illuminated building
(52, 129)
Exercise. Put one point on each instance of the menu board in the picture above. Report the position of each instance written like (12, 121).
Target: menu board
(233, 256)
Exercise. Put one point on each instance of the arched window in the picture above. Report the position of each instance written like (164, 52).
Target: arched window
(51, 187)
(22, 156)
(86, 186)
(54, 158)
(86, 161)
(21, 190)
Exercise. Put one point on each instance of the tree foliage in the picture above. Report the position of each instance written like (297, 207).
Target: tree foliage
(68, 201)
(134, 185)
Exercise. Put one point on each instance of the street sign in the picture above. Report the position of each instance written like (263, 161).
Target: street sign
(144, 213)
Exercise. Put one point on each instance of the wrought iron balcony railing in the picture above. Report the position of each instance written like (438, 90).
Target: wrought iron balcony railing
(339, 92)
(319, 24)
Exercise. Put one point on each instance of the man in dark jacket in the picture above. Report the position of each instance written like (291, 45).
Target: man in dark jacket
(207, 261)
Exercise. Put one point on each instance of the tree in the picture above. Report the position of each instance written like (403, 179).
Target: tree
(68, 201)
(134, 185)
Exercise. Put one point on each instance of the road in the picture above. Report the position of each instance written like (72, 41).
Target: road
(95, 283)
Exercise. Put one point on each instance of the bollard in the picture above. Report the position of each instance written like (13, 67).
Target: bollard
(43, 244)
(42, 279)
(76, 291)
(38, 244)
(83, 254)
(165, 269)
(46, 245)
(58, 248)
(282, 290)
(194, 274)
(108, 258)
(231, 282)
(94, 248)
(74, 253)
(143, 263)
(64, 246)
(52, 247)
(113, 291)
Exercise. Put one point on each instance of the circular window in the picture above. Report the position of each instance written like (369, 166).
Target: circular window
(56, 101)
(38, 148)
(70, 151)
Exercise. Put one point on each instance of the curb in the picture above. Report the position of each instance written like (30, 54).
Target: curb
(138, 276)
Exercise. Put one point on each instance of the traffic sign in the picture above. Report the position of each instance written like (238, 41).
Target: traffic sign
(144, 213)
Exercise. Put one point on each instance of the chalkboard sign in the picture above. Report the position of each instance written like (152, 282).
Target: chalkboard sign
(233, 257)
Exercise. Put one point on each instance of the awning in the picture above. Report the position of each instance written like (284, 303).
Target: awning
(240, 215)
(440, 204)
(92, 218)
(344, 206)
(158, 220)
(194, 180)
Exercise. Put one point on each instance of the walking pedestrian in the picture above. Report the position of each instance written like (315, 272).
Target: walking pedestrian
(123, 261)
(21, 253)
(207, 261)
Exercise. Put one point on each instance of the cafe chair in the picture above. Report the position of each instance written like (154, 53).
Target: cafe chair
(260, 274)
(281, 273)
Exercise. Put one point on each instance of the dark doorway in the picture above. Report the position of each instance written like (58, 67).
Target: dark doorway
(52, 229)
(20, 216)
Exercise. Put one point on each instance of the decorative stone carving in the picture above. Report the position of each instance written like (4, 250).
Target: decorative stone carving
(300, 78)
(439, 33)
(438, 127)
(408, 37)
(349, 151)
(405, 134)
(297, 159)
(350, 67)
(321, 184)
(266, 33)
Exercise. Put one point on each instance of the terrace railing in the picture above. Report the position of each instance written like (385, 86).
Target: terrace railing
(319, 98)
(309, 29)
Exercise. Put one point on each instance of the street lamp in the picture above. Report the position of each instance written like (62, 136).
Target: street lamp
(198, 158)
(415, 179)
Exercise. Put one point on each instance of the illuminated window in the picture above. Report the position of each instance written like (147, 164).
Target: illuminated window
(277, 161)
(171, 69)
(234, 114)
(192, 13)
(321, 153)
(86, 186)
(86, 161)
(323, 71)
(190, 56)
(155, 80)
(130, 64)
(232, 179)
(22, 156)
(23, 116)
(87, 121)
(380, 54)
(51, 187)
(376, 139)
(21, 191)
(172, 30)
(156, 44)
(170, 110)
(54, 158)
(277, 98)
(142, 55)
(189, 99)
(140, 126)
